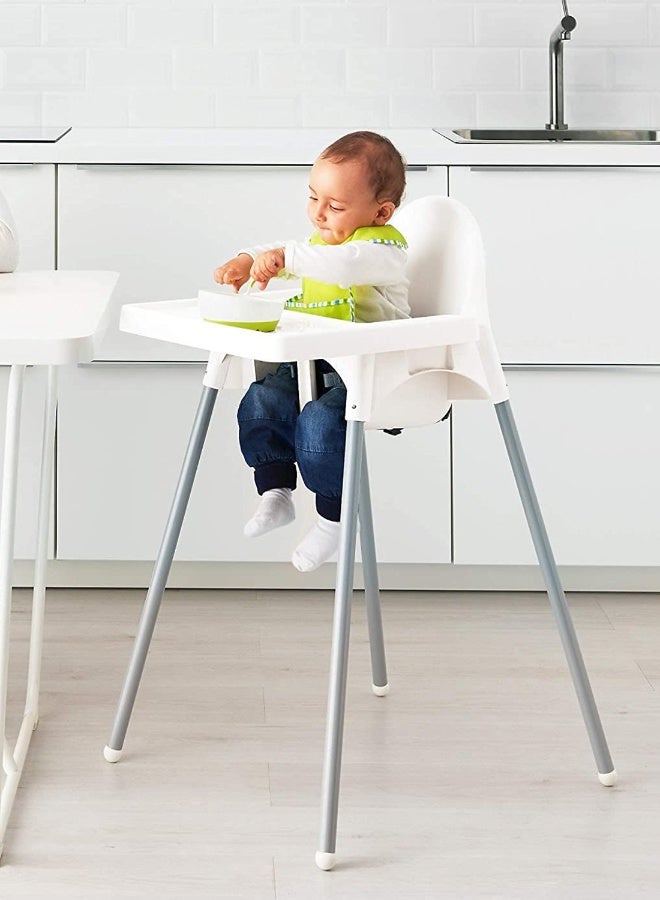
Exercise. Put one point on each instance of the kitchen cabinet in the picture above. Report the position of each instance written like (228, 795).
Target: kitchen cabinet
(116, 476)
(592, 443)
(175, 224)
(570, 257)
(116, 479)
(571, 260)
(29, 189)
(570, 246)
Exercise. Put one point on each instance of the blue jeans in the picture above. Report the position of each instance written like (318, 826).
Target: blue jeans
(275, 435)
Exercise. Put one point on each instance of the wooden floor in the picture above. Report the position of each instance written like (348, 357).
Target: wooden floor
(473, 778)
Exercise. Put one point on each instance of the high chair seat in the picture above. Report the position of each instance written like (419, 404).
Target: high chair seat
(397, 374)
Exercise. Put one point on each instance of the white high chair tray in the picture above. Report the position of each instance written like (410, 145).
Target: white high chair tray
(297, 337)
(52, 318)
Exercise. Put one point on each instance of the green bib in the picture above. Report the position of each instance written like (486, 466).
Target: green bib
(321, 299)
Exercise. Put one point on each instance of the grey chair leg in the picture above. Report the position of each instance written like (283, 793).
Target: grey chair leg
(325, 856)
(379, 684)
(113, 750)
(606, 771)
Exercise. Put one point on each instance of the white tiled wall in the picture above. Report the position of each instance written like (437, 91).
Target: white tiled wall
(337, 63)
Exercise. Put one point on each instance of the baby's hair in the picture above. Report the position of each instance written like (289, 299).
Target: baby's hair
(386, 168)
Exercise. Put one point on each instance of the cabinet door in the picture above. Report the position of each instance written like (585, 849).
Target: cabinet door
(29, 465)
(424, 180)
(30, 192)
(123, 430)
(592, 442)
(572, 258)
(165, 229)
(411, 494)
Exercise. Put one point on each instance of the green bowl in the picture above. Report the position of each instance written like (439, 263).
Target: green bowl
(256, 310)
(253, 326)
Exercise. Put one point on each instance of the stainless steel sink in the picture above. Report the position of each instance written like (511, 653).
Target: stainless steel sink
(534, 135)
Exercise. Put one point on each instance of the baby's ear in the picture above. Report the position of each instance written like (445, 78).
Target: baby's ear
(384, 213)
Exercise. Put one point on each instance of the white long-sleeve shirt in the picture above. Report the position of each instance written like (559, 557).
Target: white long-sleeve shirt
(8, 242)
(375, 270)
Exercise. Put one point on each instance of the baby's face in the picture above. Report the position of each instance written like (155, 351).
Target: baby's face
(340, 200)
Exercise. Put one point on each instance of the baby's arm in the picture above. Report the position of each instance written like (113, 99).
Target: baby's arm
(260, 263)
(267, 265)
(355, 263)
(8, 242)
(235, 271)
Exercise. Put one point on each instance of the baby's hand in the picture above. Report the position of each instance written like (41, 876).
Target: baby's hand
(235, 272)
(266, 266)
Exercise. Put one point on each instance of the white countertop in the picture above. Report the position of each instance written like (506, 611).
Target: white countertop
(233, 146)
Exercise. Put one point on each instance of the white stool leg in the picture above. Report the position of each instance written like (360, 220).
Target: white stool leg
(606, 770)
(43, 530)
(7, 528)
(379, 683)
(31, 710)
(325, 856)
(113, 749)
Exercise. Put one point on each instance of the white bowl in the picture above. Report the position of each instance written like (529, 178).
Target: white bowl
(258, 310)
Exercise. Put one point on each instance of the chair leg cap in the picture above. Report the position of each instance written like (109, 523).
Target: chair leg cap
(324, 861)
(111, 756)
(608, 778)
(380, 690)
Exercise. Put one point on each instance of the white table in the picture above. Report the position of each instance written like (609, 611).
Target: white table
(46, 319)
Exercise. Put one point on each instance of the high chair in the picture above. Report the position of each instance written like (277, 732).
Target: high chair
(397, 374)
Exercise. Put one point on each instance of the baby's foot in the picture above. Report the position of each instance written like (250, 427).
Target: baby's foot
(317, 547)
(275, 510)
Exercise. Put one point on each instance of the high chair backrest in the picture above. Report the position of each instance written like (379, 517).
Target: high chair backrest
(445, 258)
(445, 269)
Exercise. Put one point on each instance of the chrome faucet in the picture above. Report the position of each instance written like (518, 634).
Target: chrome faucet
(561, 33)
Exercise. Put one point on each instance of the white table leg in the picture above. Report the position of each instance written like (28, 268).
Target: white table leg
(14, 761)
(7, 527)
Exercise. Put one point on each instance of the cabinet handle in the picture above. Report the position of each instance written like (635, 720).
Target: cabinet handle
(110, 167)
(138, 363)
(581, 367)
(553, 168)
(5, 165)
(127, 167)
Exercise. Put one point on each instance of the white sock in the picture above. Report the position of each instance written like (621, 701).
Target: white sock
(317, 547)
(275, 510)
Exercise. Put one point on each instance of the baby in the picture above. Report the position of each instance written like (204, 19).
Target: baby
(352, 268)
